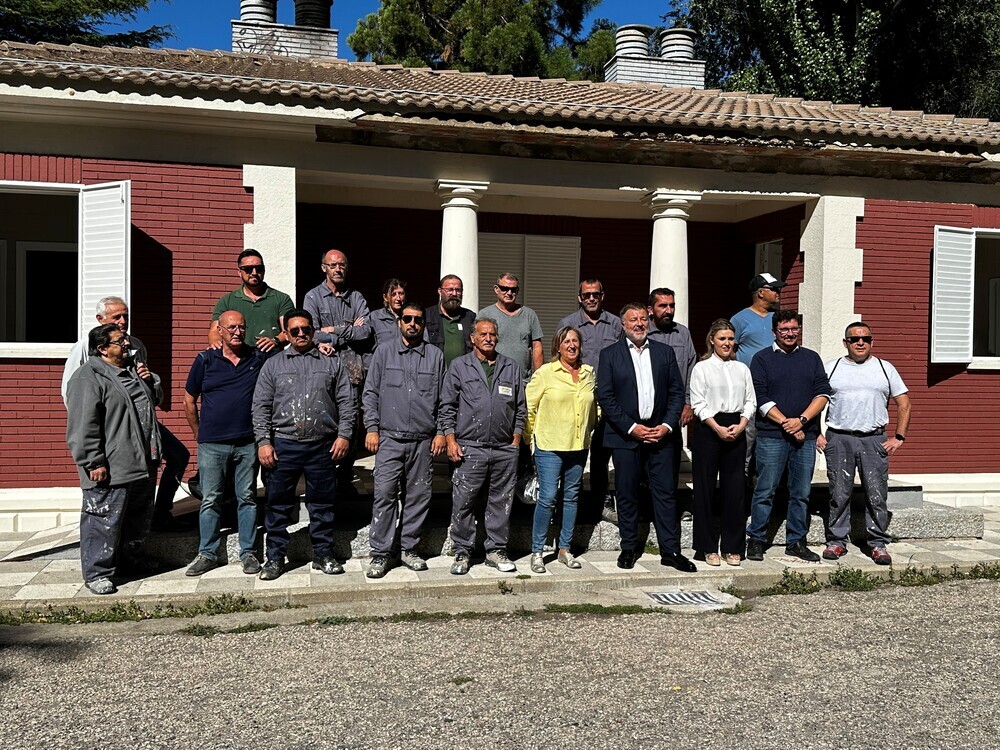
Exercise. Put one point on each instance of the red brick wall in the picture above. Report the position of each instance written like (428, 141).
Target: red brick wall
(956, 413)
(187, 228)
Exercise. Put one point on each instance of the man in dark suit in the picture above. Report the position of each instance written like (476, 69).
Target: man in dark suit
(640, 390)
(448, 325)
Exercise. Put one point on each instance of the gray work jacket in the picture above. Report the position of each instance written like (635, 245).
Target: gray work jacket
(403, 390)
(103, 426)
(305, 397)
(80, 353)
(478, 415)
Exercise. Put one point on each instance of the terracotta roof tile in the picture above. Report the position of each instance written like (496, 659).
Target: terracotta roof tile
(450, 95)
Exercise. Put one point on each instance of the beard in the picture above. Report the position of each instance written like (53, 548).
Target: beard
(451, 304)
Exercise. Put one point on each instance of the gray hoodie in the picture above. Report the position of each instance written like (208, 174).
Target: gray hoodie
(103, 427)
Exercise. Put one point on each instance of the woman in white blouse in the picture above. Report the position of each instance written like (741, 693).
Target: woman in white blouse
(723, 400)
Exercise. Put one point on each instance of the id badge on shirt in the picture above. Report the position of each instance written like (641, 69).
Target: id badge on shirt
(505, 390)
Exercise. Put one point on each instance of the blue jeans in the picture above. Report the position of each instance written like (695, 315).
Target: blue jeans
(213, 460)
(550, 466)
(773, 455)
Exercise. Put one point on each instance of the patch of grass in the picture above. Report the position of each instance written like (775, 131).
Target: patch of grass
(522, 612)
(737, 609)
(460, 680)
(336, 620)
(598, 609)
(651, 549)
(416, 616)
(471, 615)
(854, 579)
(253, 627)
(522, 577)
(984, 572)
(505, 588)
(732, 591)
(911, 576)
(132, 611)
(202, 631)
(793, 583)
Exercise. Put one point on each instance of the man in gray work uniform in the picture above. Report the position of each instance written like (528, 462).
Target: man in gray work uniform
(303, 417)
(401, 397)
(482, 416)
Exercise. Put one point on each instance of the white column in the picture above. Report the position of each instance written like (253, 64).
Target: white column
(460, 234)
(669, 260)
(272, 232)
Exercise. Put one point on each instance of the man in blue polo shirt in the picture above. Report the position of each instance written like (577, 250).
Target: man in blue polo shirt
(225, 379)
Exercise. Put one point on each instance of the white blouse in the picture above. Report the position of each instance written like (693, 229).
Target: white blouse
(719, 385)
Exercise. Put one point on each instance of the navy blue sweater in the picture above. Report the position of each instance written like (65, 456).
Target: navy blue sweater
(791, 381)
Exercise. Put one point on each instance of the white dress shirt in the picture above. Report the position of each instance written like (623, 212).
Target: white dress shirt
(722, 385)
(643, 378)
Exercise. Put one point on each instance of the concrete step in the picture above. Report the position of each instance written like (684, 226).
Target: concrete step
(911, 518)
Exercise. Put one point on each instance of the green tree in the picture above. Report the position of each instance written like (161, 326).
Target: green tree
(907, 54)
(520, 37)
(76, 22)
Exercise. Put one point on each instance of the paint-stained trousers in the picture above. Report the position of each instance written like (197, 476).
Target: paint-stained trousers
(113, 519)
(496, 470)
(403, 475)
(281, 507)
(844, 455)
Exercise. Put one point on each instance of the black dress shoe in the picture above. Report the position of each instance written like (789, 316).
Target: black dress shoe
(755, 550)
(801, 551)
(627, 558)
(677, 560)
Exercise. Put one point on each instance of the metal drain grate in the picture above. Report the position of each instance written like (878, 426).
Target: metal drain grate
(685, 598)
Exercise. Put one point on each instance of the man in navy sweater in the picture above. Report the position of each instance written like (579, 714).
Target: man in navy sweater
(792, 389)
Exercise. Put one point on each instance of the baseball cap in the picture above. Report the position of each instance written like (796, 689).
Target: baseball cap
(765, 280)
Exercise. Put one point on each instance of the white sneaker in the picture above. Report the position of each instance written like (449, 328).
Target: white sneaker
(497, 558)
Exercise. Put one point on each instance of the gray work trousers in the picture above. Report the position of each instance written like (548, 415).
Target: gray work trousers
(846, 454)
(403, 475)
(492, 468)
(113, 519)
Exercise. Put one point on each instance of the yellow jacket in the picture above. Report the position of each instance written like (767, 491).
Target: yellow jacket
(561, 413)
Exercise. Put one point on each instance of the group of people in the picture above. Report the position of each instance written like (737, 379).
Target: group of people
(292, 392)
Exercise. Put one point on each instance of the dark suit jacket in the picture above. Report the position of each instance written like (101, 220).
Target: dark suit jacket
(618, 393)
(434, 331)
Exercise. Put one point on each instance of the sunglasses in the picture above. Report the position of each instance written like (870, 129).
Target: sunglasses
(413, 318)
(856, 339)
(303, 331)
(589, 295)
(507, 289)
(248, 270)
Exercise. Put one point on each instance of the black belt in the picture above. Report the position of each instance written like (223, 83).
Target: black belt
(857, 433)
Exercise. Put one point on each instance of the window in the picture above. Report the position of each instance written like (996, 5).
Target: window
(548, 269)
(768, 258)
(62, 248)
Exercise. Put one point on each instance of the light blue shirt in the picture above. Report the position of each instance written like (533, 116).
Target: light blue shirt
(753, 333)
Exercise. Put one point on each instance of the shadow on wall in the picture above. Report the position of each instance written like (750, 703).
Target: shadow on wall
(151, 306)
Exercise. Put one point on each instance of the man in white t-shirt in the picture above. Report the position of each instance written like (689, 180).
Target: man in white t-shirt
(862, 386)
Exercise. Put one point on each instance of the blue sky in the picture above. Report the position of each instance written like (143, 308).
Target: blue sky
(204, 24)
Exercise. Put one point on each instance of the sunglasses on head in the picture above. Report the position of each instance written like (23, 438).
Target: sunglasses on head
(507, 289)
(300, 330)
(413, 318)
(252, 269)
(856, 339)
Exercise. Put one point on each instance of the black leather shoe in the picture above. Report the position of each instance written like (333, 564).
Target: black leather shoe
(801, 551)
(328, 565)
(677, 560)
(755, 550)
(627, 558)
(272, 569)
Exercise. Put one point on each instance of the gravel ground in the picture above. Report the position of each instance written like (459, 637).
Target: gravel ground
(903, 668)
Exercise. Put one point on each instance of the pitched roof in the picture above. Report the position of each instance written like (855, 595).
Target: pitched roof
(390, 88)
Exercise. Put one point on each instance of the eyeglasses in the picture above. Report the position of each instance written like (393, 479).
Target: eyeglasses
(856, 339)
(507, 289)
(234, 329)
(301, 331)
(788, 331)
(249, 270)
(122, 342)
(589, 295)
(412, 318)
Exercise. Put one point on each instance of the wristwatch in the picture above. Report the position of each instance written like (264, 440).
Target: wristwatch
(803, 419)
(900, 438)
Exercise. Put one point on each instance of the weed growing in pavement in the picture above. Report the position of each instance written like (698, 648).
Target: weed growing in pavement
(522, 612)
(253, 627)
(522, 577)
(132, 611)
(202, 631)
(599, 609)
(651, 549)
(911, 576)
(732, 591)
(737, 609)
(460, 680)
(417, 616)
(504, 587)
(854, 579)
(793, 582)
(984, 572)
(207, 631)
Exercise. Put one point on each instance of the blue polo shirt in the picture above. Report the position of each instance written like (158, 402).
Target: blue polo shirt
(226, 392)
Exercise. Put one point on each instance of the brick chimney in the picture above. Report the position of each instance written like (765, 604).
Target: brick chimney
(258, 32)
(675, 65)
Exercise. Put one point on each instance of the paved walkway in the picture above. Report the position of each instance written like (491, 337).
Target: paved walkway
(54, 576)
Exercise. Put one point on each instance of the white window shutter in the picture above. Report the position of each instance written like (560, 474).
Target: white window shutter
(954, 270)
(499, 253)
(551, 280)
(105, 247)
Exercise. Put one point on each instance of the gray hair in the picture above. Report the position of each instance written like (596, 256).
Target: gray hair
(477, 321)
(105, 302)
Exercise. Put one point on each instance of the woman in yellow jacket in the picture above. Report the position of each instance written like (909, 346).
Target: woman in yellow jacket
(562, 412)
